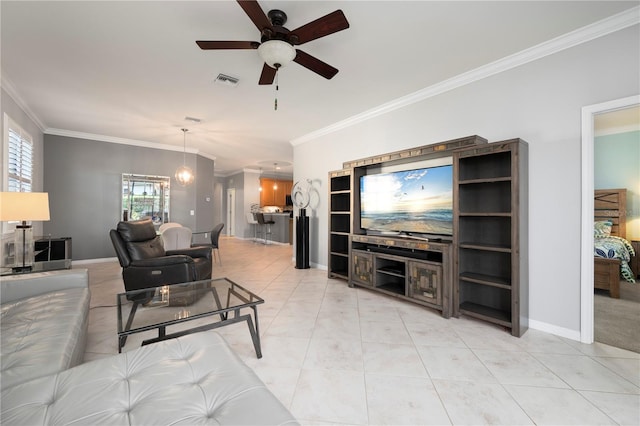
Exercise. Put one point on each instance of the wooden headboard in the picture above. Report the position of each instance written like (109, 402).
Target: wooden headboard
(611, 205)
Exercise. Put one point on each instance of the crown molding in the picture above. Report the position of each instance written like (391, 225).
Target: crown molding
(206, 155)
(582, 35)
(13, 93)
(123, 141)
(225, 175)
(113, 139)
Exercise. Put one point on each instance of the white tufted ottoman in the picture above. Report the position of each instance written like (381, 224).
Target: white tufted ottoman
(195, 379)
(43, 325)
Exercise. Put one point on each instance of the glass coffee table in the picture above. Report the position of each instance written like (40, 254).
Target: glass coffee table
(188, 307)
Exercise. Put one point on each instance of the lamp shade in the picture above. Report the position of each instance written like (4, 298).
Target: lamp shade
(276, 53)
(24, 206)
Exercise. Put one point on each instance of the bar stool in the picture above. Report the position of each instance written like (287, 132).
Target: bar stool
(251, 220)
(265, 225)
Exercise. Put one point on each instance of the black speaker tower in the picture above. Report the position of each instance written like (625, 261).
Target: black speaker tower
(302, 240)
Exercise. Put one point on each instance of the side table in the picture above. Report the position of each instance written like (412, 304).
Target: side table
(51, 265)
(50, 254)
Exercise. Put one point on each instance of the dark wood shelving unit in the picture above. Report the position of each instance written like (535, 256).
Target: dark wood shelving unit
(482, 271)
(490, 223)
(339, 223)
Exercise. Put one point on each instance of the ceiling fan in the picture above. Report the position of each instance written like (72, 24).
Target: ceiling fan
(276, 46)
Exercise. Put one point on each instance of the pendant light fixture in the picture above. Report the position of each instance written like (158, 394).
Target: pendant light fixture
(184, 174)
(275, 175)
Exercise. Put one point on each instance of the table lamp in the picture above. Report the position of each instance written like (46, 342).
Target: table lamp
(23, 207)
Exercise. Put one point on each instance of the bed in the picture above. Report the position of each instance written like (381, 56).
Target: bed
(612, 252)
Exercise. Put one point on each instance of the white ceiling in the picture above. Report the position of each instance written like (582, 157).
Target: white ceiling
(131, 71)
(618, 121)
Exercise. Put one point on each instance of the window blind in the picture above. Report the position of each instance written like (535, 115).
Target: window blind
(19, 160)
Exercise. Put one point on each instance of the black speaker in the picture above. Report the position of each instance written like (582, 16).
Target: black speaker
(302, 240)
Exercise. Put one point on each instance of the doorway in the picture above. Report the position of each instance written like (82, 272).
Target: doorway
(231, 211)
(586, 251)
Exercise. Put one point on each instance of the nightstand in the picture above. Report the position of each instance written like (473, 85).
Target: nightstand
(635, 260)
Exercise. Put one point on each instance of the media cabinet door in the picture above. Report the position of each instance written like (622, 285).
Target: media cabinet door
(362, 262)
(425, 282)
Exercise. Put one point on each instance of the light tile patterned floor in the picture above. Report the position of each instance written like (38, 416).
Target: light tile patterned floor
(340, 355)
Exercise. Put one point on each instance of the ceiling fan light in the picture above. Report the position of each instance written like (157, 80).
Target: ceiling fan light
(276, 53)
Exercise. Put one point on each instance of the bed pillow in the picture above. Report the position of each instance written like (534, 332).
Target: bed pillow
(602, 228)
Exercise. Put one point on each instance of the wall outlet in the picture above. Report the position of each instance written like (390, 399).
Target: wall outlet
(192, 212)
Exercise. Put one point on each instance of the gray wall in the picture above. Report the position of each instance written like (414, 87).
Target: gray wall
(219, 205)
(83, 179)
(540, 102)
(13, 110)
(617, 165)
(204, 197)
(236, 182)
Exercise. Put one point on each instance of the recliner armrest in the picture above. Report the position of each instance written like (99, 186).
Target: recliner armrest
(194, 252)
(161, 261)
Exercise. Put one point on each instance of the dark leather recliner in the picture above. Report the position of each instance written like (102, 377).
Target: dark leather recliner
(145, 263)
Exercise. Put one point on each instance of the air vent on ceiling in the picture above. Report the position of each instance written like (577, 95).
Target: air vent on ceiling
(226, 80)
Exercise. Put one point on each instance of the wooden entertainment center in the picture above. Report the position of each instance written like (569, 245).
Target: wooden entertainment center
(480, 271)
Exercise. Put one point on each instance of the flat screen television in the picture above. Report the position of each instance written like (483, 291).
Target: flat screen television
(416, 201)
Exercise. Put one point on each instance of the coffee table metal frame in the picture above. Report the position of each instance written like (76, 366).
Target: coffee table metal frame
(137, 298)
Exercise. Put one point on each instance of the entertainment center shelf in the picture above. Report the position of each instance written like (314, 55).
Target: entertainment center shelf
(339, 223)
(408, 269)
(480, 270)
(491, 234)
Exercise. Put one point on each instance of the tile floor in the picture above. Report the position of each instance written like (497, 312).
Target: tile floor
(339, 355)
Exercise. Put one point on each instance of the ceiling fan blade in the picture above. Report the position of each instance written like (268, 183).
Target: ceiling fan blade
(268, 75)
(210, 45)
(255, 13)
(328, 24)
(315, 64)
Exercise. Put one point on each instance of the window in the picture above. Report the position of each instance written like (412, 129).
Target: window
(19, 158)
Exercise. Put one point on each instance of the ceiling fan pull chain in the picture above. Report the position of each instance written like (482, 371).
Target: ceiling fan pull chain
(275, 105)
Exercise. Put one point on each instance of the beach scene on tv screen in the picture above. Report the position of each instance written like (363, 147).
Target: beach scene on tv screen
(413, 201)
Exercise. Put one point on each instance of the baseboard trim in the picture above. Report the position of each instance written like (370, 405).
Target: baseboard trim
(318, 266)
(260, 241)
(554, 329)
(99, 260)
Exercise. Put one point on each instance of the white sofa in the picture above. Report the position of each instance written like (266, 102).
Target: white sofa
(194, 379)
(43, 328)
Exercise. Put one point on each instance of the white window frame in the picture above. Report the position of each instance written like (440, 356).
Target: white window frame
(11, 126)
(24, 178)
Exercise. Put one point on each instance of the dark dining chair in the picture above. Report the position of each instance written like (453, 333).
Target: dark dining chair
(215, 238)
